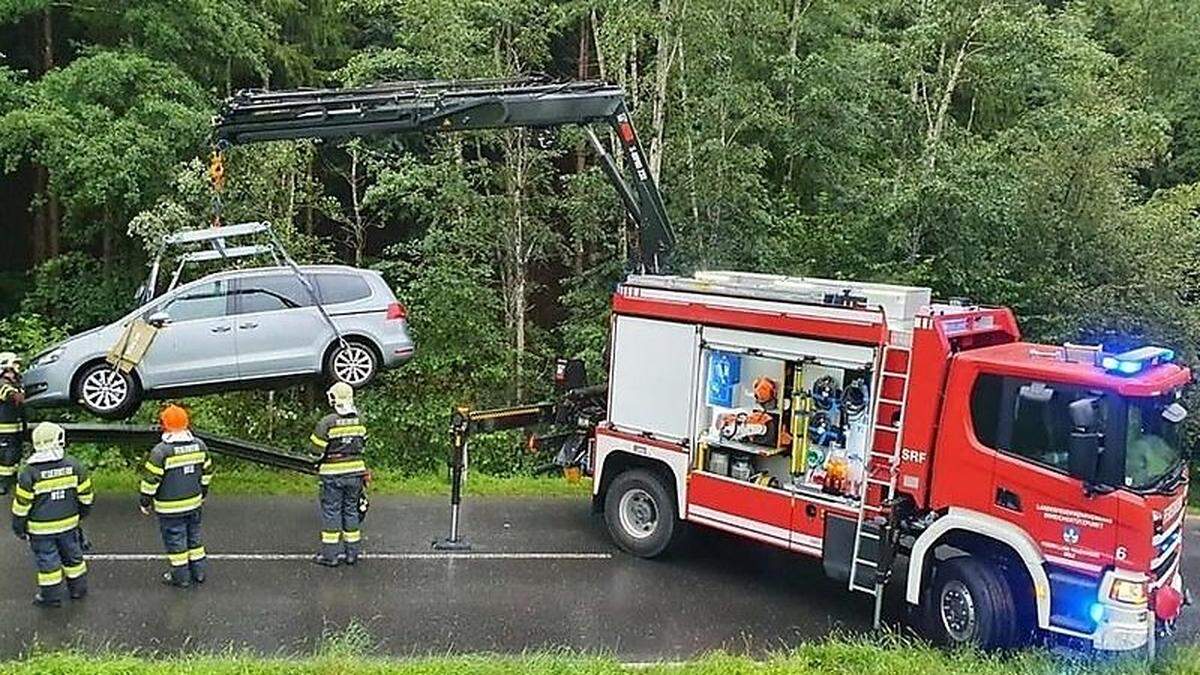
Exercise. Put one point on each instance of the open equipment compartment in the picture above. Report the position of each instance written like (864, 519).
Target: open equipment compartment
(784, 413)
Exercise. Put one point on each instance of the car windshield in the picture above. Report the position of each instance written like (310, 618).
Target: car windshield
(1153, 448)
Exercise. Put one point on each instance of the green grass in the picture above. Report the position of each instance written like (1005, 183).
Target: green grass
(834, 656)
(258, 481)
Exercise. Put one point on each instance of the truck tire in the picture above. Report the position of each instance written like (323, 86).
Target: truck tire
(970, 605)
(107, 393)
(641, 514)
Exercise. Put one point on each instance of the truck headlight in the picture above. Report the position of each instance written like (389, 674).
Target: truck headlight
(47, 358)
(1129, 592)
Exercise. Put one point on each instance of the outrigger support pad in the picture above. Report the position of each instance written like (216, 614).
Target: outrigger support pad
(458, 461)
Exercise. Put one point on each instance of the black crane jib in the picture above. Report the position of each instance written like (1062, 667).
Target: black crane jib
(441, 106)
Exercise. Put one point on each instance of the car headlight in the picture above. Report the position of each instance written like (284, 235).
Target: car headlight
(48, 358)
(1129, 592)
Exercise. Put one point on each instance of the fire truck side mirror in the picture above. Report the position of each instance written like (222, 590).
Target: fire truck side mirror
(1084, 456)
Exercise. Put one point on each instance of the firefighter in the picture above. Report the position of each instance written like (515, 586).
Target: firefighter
(175, 481)
(52, 494)
(340, 438)
(12, 419)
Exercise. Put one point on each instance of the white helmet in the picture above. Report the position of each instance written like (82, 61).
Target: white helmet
(341, 397)
(10, 361)
(48, 437)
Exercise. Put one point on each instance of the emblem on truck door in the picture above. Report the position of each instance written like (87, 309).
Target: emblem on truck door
(1070, 535)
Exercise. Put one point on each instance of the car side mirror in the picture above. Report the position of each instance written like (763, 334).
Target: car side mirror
(159, 320)
(1083, 460)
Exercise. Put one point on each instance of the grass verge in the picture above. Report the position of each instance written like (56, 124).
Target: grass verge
(833, 656)
(256, 481)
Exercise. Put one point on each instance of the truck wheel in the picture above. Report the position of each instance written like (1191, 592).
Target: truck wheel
(971, 605)
(107, 392)
(641, 514)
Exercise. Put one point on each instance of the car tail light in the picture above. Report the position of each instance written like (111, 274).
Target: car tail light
(397, 311)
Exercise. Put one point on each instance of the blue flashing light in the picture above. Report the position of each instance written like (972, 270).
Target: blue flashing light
(1134, 361)
(1096, 612)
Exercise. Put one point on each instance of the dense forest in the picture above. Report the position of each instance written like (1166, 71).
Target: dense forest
(1039, 154)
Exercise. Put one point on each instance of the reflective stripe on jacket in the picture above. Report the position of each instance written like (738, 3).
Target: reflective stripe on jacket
(51, 496)
(175, 477)
(341, 440)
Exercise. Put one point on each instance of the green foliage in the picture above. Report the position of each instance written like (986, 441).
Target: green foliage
(29, 334)
(74, 292)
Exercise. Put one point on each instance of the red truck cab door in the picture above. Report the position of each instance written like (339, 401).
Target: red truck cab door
(1026, 423)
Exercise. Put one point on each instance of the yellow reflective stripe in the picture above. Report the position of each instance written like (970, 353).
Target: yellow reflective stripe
(75, 571)
(10, 427)
(196, 553)
(205, 479)
(147, 488)
(330, 537)
(85, 486)
(349, 430)
(178, 505)
(352, 536)
(184, 460)
(338, 468)
(86, 499)
(8, 470)
(53, 526)
(177, 559)
(318, 441)
(22, 493)
(156, 470)
(21, 509)
(50, 578)
(52, 484)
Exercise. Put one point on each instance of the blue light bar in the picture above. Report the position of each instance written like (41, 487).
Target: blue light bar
(1134, 361)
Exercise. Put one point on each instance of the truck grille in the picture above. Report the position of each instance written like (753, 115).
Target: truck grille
(1166, 548)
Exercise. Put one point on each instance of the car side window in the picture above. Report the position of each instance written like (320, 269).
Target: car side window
(339, 288)
(271, 293)
(206, 301)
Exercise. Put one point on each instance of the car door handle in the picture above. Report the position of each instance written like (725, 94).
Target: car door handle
(220, 329)
(248, 325)
(1007, 499)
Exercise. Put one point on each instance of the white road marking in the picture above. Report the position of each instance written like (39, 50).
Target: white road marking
(138, 557)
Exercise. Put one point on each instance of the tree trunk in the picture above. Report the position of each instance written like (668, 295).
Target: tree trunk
(359, 230)
(45, 234)
(664, 53)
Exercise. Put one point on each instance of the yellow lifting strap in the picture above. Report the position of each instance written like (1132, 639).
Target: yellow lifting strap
(216, 176)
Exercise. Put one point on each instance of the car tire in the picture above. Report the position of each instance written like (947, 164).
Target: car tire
(970, 606)
(641, 514)
(353, 362)
(108, 393)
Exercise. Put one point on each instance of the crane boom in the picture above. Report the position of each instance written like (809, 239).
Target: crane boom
(440, 106)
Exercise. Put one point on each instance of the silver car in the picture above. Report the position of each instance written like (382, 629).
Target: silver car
(234, 330)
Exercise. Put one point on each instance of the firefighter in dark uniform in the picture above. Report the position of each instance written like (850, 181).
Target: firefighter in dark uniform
(52, 494)
(340, 438)
(12, 419)
(175, 481)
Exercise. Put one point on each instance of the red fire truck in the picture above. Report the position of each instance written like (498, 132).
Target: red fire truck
(1032, 488)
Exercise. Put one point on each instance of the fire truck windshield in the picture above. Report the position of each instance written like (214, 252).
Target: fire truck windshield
(1153, 447)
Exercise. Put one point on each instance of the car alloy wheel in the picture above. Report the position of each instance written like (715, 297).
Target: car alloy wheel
(105, 390)
(354, 364)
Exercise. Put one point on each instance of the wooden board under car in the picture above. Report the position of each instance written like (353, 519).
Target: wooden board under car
(132, 346)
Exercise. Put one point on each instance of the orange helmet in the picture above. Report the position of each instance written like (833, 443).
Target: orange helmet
(173, 418)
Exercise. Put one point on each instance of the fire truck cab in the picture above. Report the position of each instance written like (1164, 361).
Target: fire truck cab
(1031, 488)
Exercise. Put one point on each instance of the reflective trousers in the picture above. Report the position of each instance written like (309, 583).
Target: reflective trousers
(10, 457)
(181, 537)
(340, 534)
(59, 558)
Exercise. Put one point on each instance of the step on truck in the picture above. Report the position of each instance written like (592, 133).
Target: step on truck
(1032, 488)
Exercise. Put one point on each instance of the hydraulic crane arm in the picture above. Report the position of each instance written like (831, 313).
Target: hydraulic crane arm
(445, 106)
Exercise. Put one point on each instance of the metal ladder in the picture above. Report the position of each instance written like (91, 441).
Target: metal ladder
(872, 530)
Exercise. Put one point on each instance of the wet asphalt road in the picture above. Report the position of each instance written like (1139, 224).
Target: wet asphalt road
(717, 592)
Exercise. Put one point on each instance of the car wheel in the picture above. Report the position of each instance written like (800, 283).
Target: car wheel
(107, 392)
(352, 362)
(971, 606)
(641, 514)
